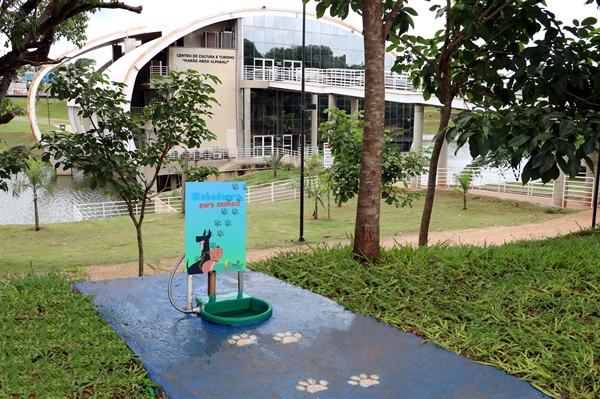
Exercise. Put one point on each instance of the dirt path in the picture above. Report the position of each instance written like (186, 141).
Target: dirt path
(489, 235)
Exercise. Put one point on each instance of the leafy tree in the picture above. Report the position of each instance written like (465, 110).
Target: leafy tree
(107, 154)
(379, 19)
(481, 40)
(12, 161)
(345, 135)
(316, 190)
(84, 63)
(555, 124)
(201, 173)
(463, 182)
(39, 177)
(29, 29)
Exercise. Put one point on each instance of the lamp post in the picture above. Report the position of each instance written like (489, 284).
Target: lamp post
(303, 107)
(48, 105)
(595, 195)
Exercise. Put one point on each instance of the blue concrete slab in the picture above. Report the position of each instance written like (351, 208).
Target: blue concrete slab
(310, 347)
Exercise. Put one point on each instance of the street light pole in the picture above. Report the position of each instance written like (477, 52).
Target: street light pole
(302, 108)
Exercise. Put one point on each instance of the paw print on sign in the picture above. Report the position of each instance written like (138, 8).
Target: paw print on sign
(228, 223)
(217, 223)
(287, 338)
(363, 380)
(235, 211)
(311, 386)
(235, 186)
(220, 233)
(224, 211)
(242, 339)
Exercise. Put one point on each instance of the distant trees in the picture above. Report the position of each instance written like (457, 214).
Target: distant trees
(344, 134)
(107, 152)
(39, 176)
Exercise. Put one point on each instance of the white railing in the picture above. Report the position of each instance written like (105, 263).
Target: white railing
(147, 71)
(257, 153)
(272, 192)
(576, 193)
(103, 210)
(330, 77)
(261, 193)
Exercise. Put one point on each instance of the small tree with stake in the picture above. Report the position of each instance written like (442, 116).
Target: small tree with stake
(463, 182)
(107, 152)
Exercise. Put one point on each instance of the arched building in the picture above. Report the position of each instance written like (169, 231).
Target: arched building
(256, 53)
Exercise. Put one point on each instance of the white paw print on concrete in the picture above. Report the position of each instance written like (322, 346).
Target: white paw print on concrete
(363, 380)
(287, 337)
(242, 339)
(311, 386)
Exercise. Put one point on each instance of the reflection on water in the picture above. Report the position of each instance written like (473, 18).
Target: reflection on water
(460, 160)
(53, 208)
(58, 208)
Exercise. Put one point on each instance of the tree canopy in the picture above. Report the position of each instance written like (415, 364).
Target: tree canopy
(487, 54)
(29, 29)
(124, 151)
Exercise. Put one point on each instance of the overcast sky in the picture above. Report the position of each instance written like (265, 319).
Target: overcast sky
(178, 12)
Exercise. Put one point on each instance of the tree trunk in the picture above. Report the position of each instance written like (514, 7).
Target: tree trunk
(35, 210)
(465, 202)
(367, 233)
(138, 230)
(435, 156)
(186, 161)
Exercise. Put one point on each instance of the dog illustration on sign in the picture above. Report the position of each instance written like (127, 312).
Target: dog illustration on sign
(208, 258)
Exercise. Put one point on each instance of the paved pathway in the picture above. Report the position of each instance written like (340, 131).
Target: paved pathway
(310, 348)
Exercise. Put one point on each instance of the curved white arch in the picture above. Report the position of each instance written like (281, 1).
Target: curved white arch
(126, 68)
(91, 45)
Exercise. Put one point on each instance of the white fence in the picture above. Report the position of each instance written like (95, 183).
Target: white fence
(576, 193)
(330, 77)
(261, 193)
(216, 152)
(103, 210)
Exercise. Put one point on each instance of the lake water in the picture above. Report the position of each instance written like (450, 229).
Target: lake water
(58, 208)
(53, 208)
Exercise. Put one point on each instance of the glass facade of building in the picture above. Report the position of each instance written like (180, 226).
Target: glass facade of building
(277, 41)
(280, 39)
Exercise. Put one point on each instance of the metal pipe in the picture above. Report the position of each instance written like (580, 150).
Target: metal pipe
(190, 291)
(240, 281)
(170, 293)
(212, 283)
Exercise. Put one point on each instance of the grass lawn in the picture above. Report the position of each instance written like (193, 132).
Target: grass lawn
(17, 133)
(58, 109)
(54, 345)
(69, 246)
(530, 308)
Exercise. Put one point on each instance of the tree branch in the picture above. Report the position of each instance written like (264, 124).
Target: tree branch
(414, 48)
(387, 25)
